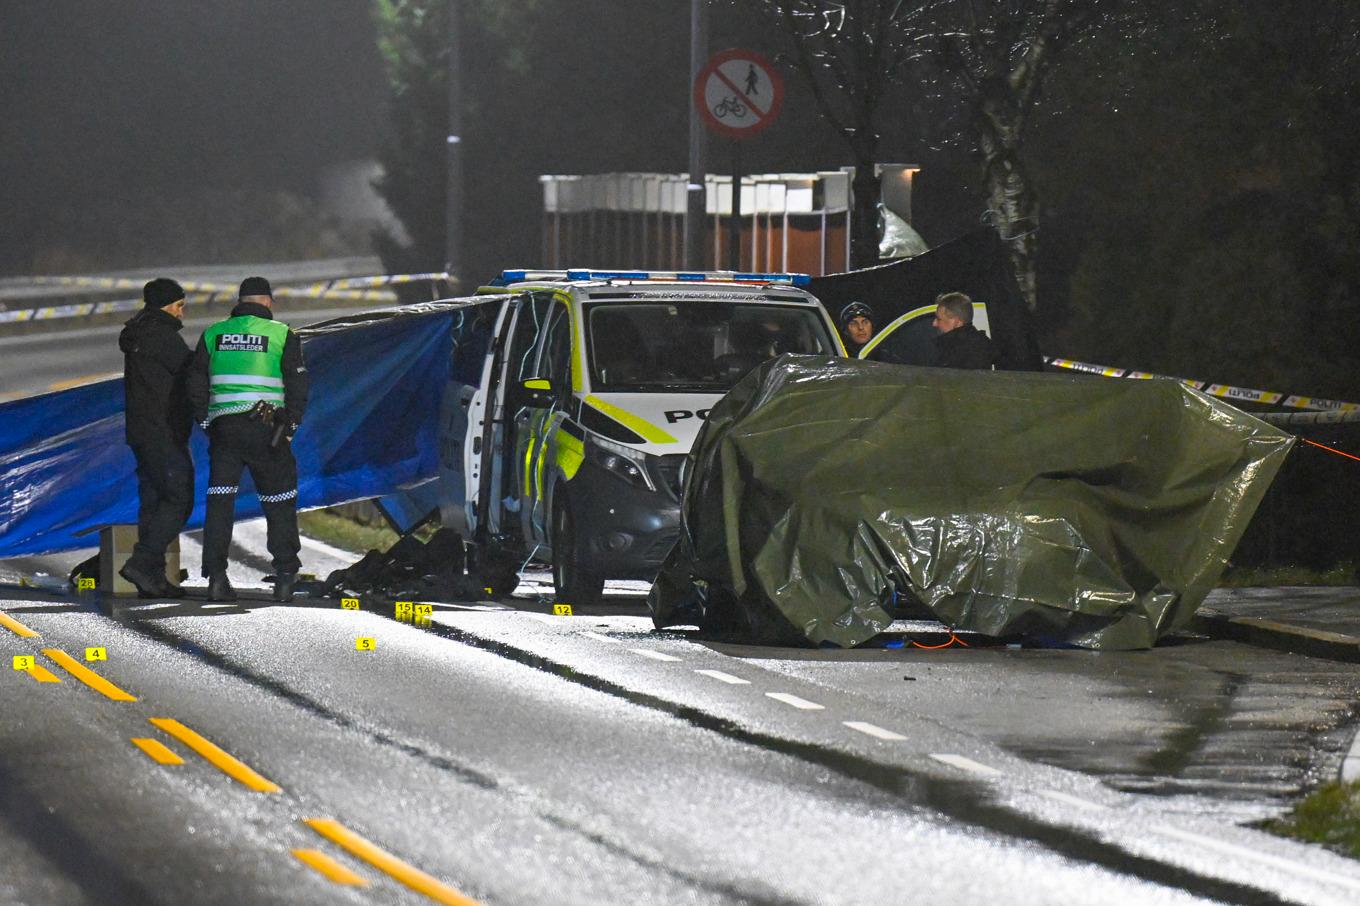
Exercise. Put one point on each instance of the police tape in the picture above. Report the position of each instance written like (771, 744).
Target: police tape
(349, 288)
(316, 290)
(1309, 418)
(75, 310)
(1222, 391)
(385, 280)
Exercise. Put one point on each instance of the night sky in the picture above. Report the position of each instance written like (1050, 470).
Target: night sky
(136, 96)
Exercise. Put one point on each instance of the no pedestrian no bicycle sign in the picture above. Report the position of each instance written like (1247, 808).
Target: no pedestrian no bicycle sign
(739, 93)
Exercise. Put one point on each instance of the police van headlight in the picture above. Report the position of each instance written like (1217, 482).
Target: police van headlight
(624, 462)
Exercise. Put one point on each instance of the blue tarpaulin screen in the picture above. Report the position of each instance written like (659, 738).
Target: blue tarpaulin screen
(371, 427)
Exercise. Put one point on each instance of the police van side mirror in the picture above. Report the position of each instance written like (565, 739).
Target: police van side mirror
(539, 392)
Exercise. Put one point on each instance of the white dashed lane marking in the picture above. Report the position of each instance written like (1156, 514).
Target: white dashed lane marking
(725, 677)
(794, 701)
(1068, 798)
(654, 655)
(965, 764)
(873, 730)
(601, 638)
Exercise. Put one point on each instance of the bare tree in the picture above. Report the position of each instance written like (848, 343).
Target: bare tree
(999, 52)
(852, 55)
(987, 58)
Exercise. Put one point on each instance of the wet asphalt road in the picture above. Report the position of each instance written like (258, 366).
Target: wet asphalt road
(513, 756)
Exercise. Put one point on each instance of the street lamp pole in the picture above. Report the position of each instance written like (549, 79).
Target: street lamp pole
(455, 203)
(696, 196)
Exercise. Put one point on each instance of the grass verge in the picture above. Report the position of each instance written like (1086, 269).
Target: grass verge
(346, 534)
(1330, 816)
(1344, 573)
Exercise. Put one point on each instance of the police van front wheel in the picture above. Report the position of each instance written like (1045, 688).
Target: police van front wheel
(575, 582)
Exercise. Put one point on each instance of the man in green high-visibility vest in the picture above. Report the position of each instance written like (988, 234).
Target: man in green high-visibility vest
(248, 389)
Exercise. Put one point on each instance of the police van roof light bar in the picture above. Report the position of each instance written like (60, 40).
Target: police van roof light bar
(691, 276)
(522, 275)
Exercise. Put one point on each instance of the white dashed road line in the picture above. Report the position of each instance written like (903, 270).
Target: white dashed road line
(801, 704)
(1068, 798)
(601, 638)
(873, 730)
(965, 764)
(654, 655)
(725, 677)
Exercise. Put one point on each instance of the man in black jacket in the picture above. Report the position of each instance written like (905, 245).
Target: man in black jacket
(155, 363)
(960, 344)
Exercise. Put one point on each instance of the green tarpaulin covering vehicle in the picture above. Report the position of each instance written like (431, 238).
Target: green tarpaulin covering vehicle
(1060, 508)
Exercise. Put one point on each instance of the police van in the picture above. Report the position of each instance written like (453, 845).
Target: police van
(574, 401)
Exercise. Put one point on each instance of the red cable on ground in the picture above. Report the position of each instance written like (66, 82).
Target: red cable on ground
(952, 639)
(1330, 449)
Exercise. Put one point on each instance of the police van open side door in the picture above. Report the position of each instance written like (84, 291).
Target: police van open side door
(468, 419)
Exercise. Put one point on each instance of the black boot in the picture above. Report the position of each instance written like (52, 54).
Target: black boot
(283, 587)
(219, 588)
(150, 584)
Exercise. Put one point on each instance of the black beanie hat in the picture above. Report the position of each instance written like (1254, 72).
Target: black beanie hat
(254, 286)
(161, 292)
(856, 310)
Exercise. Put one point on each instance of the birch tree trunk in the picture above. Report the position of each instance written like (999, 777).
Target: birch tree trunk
(1012, 204)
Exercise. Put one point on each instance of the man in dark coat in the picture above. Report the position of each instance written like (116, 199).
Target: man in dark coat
(155, 363)
(960, 344)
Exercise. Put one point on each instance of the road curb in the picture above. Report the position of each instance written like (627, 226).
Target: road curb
(1337, 646)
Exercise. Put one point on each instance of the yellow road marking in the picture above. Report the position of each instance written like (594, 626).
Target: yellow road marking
(331, 869)
(156, 750)
(231, 766)
(16, 627)
(42, 674)
(387, 863)
(88, 676)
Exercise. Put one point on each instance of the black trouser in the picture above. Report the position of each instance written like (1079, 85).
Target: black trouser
(238, 442)
(165, 490)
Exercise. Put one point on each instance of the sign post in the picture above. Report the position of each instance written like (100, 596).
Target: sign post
(739, 94)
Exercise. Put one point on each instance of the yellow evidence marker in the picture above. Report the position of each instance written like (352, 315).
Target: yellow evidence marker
(424, 610)
(561, 610)
(85, 584)
(349, 603)
(96, 654)
(365, 643)
(24, 662)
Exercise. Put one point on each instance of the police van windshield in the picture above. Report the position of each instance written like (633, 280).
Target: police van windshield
(696, 346)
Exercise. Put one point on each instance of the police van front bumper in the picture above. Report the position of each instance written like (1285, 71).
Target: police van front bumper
(628, 523)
